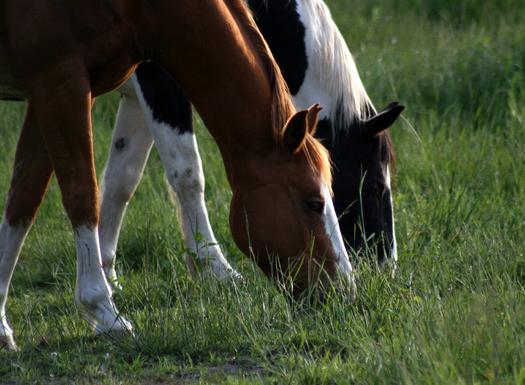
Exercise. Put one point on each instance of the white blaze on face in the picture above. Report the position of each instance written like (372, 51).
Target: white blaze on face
(343, 265)
(394, 244)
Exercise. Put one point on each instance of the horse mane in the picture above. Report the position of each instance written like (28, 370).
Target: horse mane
(282, 107)
(335, 68)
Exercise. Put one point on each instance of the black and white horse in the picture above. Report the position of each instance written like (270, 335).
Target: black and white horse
(318, 68)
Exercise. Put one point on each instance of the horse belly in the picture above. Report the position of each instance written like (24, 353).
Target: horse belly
(10, 86)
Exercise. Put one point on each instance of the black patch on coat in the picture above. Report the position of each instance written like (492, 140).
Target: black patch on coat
(165, 98)
(120, 144)
(279, 22)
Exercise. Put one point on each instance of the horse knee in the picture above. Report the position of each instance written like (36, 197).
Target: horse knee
(28, 186)
(21, 210)
(187, 181)
(121, 185)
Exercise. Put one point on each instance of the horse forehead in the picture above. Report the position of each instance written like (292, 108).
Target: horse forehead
(362, 150)
(304, 175)
(290, 167)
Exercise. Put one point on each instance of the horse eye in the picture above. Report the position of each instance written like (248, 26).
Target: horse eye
(315, 206)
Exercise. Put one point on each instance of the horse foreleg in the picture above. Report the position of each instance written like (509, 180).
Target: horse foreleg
(130, 148)
(180, 155)
(63, 110)
(31, 174)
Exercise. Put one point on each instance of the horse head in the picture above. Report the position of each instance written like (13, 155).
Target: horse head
(282, 212)
(362, 184)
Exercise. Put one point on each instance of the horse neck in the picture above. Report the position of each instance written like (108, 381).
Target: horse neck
(211, 55)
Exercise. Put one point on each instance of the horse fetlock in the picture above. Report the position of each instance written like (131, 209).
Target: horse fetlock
(93, 298)
(213, 263)
(100, 311)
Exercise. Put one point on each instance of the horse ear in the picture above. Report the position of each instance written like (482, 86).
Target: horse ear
(298, 126)
(313, 114)
(383, 119)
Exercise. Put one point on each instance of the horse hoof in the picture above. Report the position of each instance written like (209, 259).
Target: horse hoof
(225, 275)
(8, 343)
(236, 277)
(215, 267)
(120, 329)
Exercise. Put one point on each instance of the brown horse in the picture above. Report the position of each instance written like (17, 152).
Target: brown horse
(59, 55)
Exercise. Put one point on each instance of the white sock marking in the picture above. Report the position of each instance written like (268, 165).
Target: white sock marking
(394, 243)
(11, 241)
(93, 293)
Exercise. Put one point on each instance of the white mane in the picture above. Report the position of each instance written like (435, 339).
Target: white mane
(334, 65)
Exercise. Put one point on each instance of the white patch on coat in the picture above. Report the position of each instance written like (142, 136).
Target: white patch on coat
(343, 266)
(182, 164)
(394, 243)
(11, 241)
(331, 77)
(93, 294)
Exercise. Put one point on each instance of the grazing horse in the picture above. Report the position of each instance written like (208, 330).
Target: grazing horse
(318, 67)
(60, 56)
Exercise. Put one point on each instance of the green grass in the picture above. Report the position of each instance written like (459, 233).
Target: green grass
(455, 312)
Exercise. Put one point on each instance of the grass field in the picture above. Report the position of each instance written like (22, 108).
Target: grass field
(455, 312)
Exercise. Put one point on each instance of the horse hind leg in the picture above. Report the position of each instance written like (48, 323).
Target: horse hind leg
(31, 175)
(130, 148)
(63, 106)
(185, 176)
(171, 126)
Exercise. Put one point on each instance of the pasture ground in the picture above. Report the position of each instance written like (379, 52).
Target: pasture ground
(455, 312)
